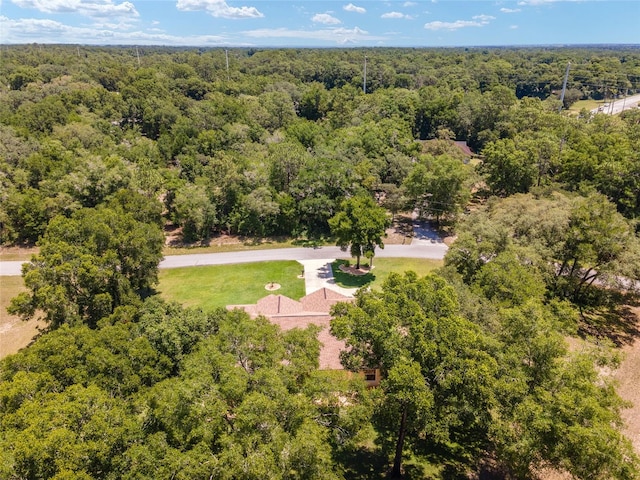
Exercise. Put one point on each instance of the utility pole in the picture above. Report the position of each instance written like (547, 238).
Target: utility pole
(138, 55)
(226, 56)
(564, 86)
(613, 100)
(364, 83)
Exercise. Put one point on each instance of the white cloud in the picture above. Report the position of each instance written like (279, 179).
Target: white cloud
(409, 4)
(543, 2)
(476, 21)
(484, 19)
(353, 8)
(90, 8)
(338, 35)
(438, 25)
(513, 27)
(120, 26)
(510, 10)
(395, 15)
(43, 31)
(219, 8)
(325, 18)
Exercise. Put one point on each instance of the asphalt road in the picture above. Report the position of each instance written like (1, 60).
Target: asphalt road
(619, 105)
(435, 250)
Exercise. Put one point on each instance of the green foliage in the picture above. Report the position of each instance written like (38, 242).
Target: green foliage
(116, 358)
(194, 212)
(275, 145)
(438, 373)
(556, 409)
(80, 432)
(89, 265)
(259, 213)
(437, 186)
(255, 385)
(596, 242)
(234, 398)
(509, 170)
(508, 281)
(174, 331)
(360, 225)
(298, 123)
(571, 241)
(23, 76)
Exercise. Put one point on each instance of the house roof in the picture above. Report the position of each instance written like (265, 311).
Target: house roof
(322, 300)
(462, 145)
(311, 309)
(277, 305)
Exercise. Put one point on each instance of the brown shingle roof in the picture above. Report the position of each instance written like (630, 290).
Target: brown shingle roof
(462, 145)
(311, 309)
(322, 300)
(277, 305)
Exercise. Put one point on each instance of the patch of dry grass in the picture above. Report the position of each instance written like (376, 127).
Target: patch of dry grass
(628, 379)
(14, 332)
(12, 254)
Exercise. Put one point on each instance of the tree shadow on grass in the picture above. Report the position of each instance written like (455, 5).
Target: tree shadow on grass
(348, 280)
(308, 242)
(361, 463)
(620, 325)
(614, 319)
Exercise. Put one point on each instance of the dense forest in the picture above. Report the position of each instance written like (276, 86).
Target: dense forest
(103, 148)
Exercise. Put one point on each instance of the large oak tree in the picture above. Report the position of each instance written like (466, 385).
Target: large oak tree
(90, 264)
(360, 225)
(437, 390)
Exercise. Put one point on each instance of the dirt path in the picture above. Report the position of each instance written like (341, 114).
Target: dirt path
(628, 377)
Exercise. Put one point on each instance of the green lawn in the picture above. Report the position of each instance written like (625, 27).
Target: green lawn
(382, 267)
(214, 286)
(16, 333)
(587, 104)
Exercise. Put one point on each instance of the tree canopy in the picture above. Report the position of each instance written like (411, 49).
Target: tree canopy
(360, 225)
(102, 149)
(89, 265)
(453, 389)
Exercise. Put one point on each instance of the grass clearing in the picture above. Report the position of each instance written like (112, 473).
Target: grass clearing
(382, 267)
(209, 287)
(227, 247)
(14, 332)
(213, 286)
(238, 244)
(12, 254)
(587, 104)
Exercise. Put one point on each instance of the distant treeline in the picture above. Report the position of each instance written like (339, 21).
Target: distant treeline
(270, 141)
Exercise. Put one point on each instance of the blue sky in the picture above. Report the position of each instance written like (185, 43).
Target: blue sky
(310, 23)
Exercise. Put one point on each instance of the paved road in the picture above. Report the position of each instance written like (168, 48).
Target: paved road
(435, 251)
(10, 269)
(431, 250)
(423, 232)
(619, 105)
